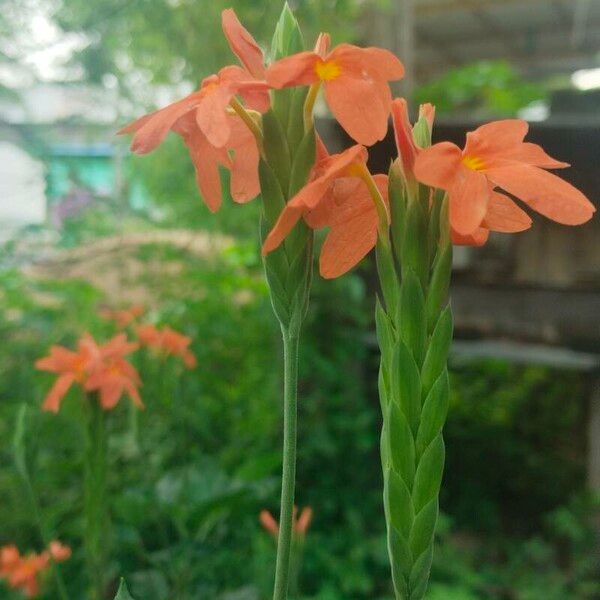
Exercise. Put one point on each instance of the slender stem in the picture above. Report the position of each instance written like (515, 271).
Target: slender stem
(309, 105)
(250, 123)
(96, 519)
(290, 401)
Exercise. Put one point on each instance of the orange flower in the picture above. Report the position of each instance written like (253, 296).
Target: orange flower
(169, 341)
(495, 155)
(502, 214)
(59, 551)
(350, 213)
(301, 523)
(355, 81)
(71, 367)
(95, 368)
(123, 317)
(324, 174)
(21, 572)
(209, 131)
(112, 376)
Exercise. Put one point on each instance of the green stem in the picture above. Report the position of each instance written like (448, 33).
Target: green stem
(95, 507)
(290, 401)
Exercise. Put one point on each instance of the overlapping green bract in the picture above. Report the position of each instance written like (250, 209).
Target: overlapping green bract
(414, 330)
(289, 154)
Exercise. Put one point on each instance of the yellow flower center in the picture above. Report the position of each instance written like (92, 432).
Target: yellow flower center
(474, 163)
(327, 70)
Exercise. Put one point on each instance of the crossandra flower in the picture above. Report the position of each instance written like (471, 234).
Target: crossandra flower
(112, 375)
(502, 214)
(94, 368)
(123, 317)
(300, 526)
(21, 572)
(71, 367)
(495, 155)
(324, 174)
(167, 341)
(355, 81)
(350, 213)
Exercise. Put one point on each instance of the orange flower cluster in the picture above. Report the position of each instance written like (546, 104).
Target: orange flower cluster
(21, 572)
(341, 194)
(95, 368)
(301, 523)
(168, 342)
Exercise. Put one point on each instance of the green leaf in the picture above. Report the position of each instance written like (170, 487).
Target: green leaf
(406, 384)
(295, 125)
(276, 148)
(385, 338)
(288, 37)
(412, 318)
(272, 196)
(438, 287)
(304, 159)
(18, 441)
(415, 252)
(401, 556)
(400, 506)
(397, 199)
(419, 575)
(388, 277)
(437, 352)
(433, 415)
(429, 474)
(402, 445)
(421, 535)
(123, 592)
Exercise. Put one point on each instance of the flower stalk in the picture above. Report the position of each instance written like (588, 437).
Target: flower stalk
(414, 335)
(95, 501)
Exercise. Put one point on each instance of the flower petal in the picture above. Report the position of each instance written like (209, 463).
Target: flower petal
(152, 129)
(438, 165)
(405, 142)
(546, 193)
(497, 137)
(347, 243)
(298, 69)
(244, 181)
(288, 218)
(361, 106)
(377, 63)
(478, 238)
(206, 159)
(57, 393)
(242, 44)
(535, 155)
(469, 196)
(211, 114)
(504, 215)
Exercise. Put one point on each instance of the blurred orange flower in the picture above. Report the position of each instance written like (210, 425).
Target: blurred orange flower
(102, 369)
(355, 81)
(168, 341)
(496, 155)
(123, 317)
(112, 375)
(21, 572)
(301, 523)
(71, 367)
